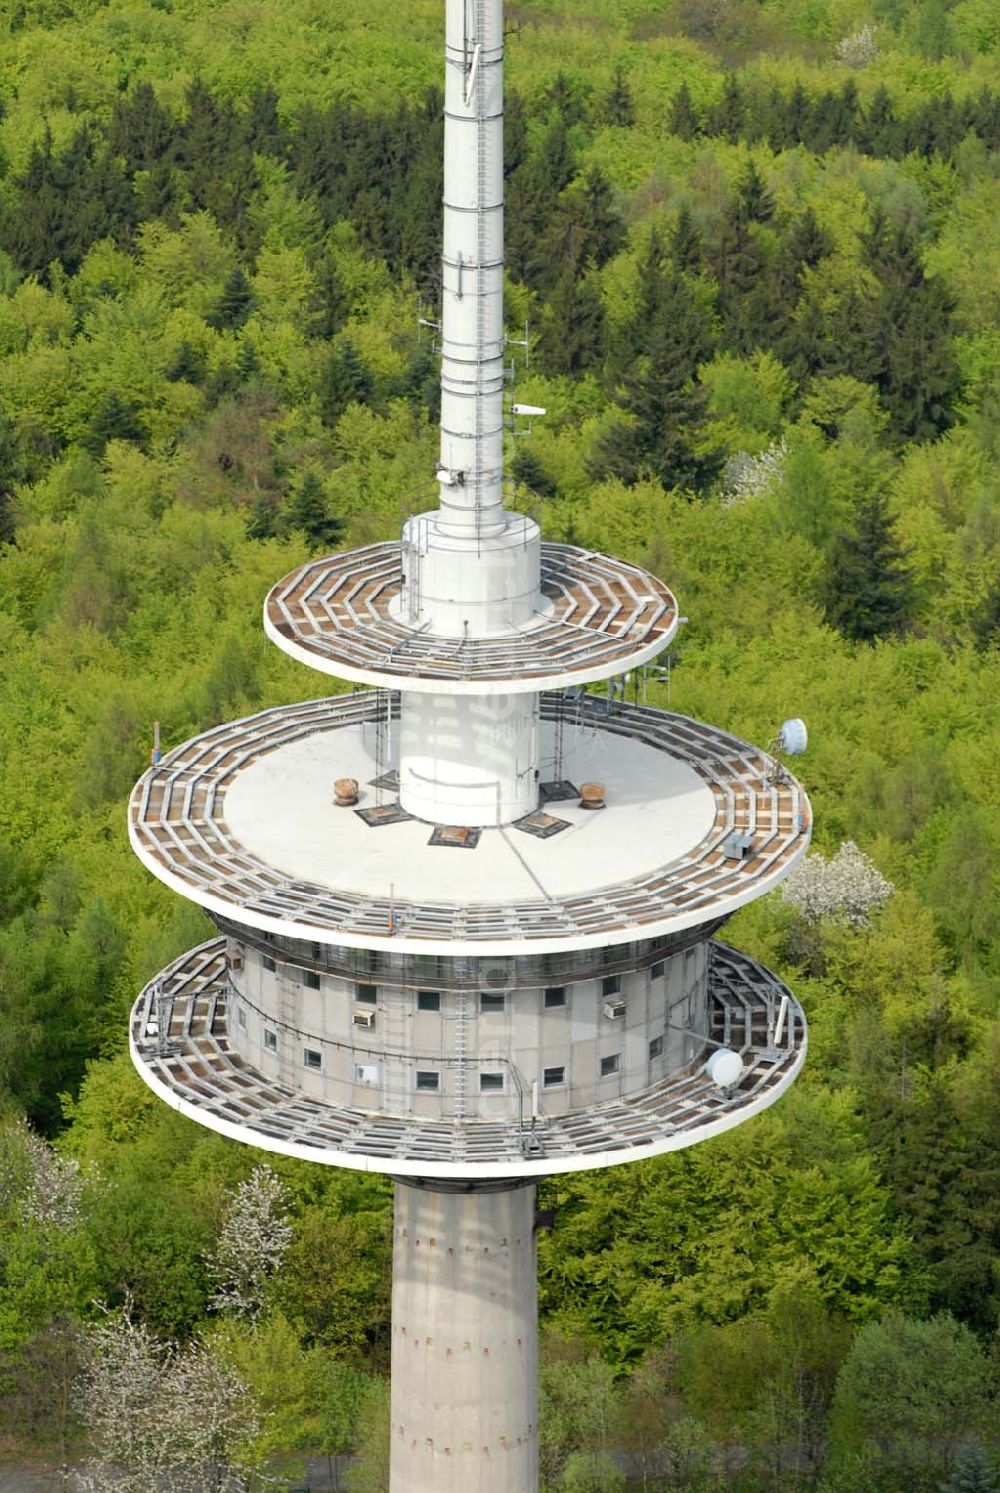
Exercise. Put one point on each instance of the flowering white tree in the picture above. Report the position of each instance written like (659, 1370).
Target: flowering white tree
(251, 1245)
(848, 887)
(745, 476)
(42, 1186)
(160, 1417)
(859, 49)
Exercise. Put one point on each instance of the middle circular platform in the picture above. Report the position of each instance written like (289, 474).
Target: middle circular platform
(600, 617)
(241, 820)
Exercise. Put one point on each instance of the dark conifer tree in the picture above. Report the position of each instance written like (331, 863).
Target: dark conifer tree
(567, 97)
(973, 1472)
(573, 338)
(658, 390)
(686, 247)
(910, 330)
(806, 241)
(730, 116)
(833, 119)
(986, 118)
(755, 198)
(797, 115)
(330, 306)
(235, 303)
(11, 472)
(65, 204)
(515, 133)
(880, 132)
(345, 380)
(869, 588)
(529, 471)
(264, 132)
(142, 131)
(986, 622)
(738, 262)
(188, 366)
(309, 510)
(619, 108)
(683, 122)
(116, 420)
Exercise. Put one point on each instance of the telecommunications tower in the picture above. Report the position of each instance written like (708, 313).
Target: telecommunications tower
(466, 912)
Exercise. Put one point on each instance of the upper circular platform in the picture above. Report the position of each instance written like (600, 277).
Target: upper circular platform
(242, 821)
(601, 617)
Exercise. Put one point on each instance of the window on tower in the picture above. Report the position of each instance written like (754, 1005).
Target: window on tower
(428, 1080)
(428, 1000)
(555, 995)
(488, 1002)
(610, 1064)
(490, 1083)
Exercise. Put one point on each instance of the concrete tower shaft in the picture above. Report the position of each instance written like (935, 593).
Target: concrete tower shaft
(464, 1340)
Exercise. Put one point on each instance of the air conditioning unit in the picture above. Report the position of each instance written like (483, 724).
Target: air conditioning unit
(614, 1008)
(363, 1016)
(235, 960)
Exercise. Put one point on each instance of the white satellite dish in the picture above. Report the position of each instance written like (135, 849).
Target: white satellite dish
(793, 736)
(724, 1067)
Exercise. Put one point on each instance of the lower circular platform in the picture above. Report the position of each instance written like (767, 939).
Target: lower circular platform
(190, 1064)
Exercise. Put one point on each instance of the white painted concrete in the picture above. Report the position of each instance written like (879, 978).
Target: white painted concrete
(464, 1342)
(472, 329)
(471, 761)
(469, 586)
(280, 808)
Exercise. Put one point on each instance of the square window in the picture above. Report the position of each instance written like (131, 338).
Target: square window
(491, 1002)
(656, 1048)
(428, 1000)
(268, 962)
(367, 994)
(610, 1064)
(490, 1083)
(552, 1077)
(241, 1017)
(555, 995)
(311, 1058)
(611, 984)
(270, 1040)
(310, 979)
(428, 1079)
(656, 971)
(366, 1073)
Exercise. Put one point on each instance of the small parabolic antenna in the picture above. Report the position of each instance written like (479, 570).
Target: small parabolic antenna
(793, 737)
(724, 1067)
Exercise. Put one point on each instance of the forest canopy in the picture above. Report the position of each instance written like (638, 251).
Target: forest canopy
(754, 255)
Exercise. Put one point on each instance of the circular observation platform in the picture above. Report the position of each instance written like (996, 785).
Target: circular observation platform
(242, 821)
(192, 1066)
(600, 617)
